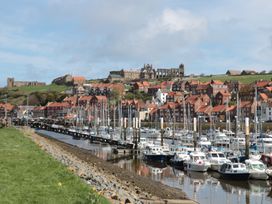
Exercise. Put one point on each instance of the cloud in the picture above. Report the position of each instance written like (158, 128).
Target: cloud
(92, 37)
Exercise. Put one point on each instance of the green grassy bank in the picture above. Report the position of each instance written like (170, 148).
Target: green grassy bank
(29, 175)
(245, 79)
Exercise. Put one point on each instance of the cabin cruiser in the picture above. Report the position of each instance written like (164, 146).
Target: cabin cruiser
(204, 142)
(155, 153)
(217, 159)
(256, 169)
(234, 171)
(187, 139)
(238, 142)
(264, 142)
(197, 162)
(179, 158)
(221, 139)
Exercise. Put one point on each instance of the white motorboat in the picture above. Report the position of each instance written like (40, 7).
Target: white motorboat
(256, 169)
(217, 159)
(221, 139)
(155, 153)
(204, 142)
(234, 171)
(197, 162)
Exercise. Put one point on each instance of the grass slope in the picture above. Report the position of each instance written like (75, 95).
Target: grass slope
(29, 175)
(18, 95)
(30, 89)
(246, 79)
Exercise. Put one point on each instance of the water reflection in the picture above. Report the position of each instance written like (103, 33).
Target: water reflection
(205, 188)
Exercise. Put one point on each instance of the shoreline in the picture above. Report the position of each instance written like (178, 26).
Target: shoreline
(109, 180)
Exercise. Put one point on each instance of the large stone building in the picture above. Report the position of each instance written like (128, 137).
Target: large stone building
(12, 83)
(170, 72)
(124, 75)
(146, 73)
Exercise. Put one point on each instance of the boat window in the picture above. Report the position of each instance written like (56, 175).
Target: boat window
(221, 155)
(235, 166)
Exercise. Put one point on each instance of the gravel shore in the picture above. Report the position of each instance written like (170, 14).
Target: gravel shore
(115, 183)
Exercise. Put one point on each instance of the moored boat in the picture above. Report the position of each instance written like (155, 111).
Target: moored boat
(217, 159)
(197, 162)
(256, 169)
(234, 171)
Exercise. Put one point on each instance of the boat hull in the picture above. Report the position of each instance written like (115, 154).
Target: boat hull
(259, 176)
(215, 167)
(235, 176)
(196, 167)
(177, 164)
(157, 158)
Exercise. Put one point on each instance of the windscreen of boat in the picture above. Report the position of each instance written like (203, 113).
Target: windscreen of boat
(258, 166)
(214, 155)
(221, 155)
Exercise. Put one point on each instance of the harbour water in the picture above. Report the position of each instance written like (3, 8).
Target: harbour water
(206, 188)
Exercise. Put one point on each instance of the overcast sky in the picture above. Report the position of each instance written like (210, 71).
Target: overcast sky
(40, 40)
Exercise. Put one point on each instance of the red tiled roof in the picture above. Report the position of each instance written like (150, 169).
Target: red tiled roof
(101, 98)
(219, 108)
(71, 99)
(39, 108)
(231, 108)
(245, 104)
(58, 104)
(263, 96)
(79, 79)
(269, 88)
(262, 83)
(217, 82)
(85, 98)
(204, 109)
(7, 106)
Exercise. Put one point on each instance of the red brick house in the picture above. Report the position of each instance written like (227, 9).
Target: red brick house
(141, 86)
(57, 109)
(84, 101)
(7, 109)
(222, 98)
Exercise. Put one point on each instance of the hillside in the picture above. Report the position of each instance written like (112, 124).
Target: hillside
(245, 79)
(38, 95)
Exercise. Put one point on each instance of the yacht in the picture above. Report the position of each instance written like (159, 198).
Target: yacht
(256, 169)
(197, 162)
(234, 171)
(217, 159)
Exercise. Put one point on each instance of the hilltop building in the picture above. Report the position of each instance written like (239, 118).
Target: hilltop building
(12, 83)
(146, 73)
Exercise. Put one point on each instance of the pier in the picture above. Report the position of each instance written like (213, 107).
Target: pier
(79, 135)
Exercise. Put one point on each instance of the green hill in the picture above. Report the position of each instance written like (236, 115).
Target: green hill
(245, 79)
(38, 95)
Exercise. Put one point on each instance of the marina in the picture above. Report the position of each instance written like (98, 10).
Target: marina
(206, 187)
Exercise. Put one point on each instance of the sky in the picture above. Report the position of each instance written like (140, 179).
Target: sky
(41, 40)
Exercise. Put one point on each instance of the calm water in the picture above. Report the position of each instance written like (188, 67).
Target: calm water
(205, 188)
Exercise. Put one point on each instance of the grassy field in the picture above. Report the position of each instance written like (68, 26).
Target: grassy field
(29, 175)
(30, 89)
(246, 79)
